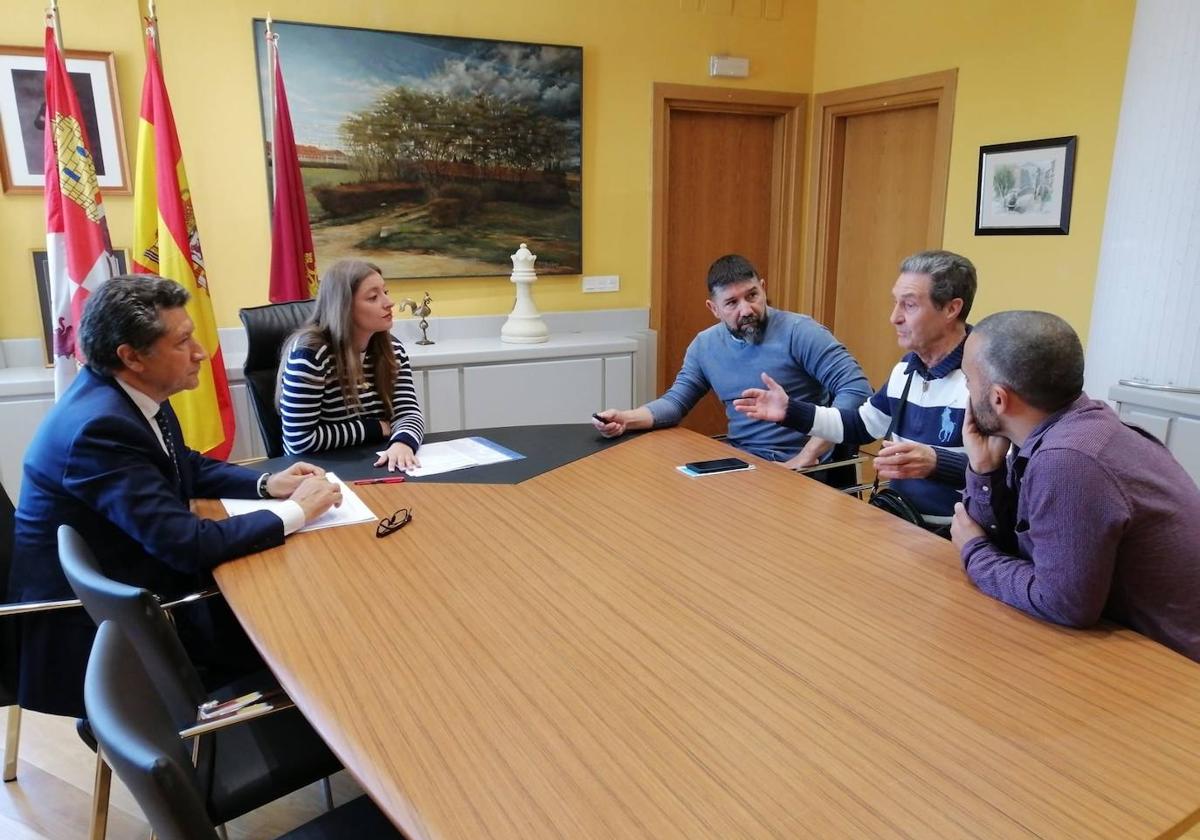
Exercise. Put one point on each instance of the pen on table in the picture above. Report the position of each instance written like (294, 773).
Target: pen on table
(395, 479)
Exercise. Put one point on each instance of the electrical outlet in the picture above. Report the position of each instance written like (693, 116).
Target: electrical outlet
(602, 283)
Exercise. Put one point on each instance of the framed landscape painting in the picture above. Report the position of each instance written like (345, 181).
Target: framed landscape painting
(23, 117)
(433, 156)
(1025, 187)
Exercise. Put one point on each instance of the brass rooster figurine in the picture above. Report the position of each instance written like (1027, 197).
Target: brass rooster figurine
(422, 311)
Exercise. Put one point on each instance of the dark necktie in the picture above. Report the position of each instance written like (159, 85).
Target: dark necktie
(161, 419)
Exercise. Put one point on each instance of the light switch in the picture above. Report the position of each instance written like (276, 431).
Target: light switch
(602, 283)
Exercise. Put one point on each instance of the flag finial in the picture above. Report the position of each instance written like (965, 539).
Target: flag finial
(53, 22)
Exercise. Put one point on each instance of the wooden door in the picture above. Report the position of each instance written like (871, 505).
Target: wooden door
(724, 183)
(886, 178)
(880, 166)
(718, 200)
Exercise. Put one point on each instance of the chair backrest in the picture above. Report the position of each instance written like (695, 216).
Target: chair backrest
(140, 741)
(7, 529)
(9, 648)
(142, 621)
(266, 329)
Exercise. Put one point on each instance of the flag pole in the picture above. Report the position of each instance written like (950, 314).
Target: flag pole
(152, 31)
(52, 15)
(272, 60)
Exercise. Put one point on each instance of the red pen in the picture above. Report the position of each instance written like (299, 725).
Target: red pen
(395, 479)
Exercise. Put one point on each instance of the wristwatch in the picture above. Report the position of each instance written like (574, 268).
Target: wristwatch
(262, 486)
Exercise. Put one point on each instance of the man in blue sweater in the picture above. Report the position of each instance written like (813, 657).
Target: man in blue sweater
(727, 358)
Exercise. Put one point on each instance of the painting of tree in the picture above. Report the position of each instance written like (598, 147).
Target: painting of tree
(1003, 181)
(431, 155)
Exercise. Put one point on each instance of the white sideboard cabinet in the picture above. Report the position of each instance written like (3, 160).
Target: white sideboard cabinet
(1170, 414)
(462, 383)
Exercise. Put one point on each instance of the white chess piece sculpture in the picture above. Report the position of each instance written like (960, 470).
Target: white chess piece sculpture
(524, 324)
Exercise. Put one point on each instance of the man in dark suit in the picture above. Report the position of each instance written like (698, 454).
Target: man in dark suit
(109, 460)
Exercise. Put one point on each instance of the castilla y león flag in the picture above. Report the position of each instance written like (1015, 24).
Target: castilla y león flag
(78, 250)
(293, 261)
(166, 242)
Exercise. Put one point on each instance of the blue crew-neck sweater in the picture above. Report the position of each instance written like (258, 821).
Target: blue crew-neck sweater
(797, 352)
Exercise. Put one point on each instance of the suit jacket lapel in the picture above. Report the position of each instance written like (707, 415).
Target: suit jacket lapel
(161, 458)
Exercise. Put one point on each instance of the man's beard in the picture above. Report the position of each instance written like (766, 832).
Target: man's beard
(751, 329)
(986, 419)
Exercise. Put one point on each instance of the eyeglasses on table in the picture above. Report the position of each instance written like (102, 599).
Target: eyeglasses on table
(393, 523)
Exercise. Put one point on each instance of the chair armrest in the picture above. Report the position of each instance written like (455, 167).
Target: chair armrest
(37, 606)
(26, 607)
(213, 715)
(862, 488)
(849, 462)
(191, 598)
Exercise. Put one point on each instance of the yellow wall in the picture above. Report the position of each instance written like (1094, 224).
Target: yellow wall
(1026, 69)
(208, 57)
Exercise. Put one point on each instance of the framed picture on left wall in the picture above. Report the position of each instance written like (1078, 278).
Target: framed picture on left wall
(23, 117)
(41, 274)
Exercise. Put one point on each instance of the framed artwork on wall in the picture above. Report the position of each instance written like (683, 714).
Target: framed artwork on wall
(1025, 188)
(23, 117)
(433, 156)
(41, 275)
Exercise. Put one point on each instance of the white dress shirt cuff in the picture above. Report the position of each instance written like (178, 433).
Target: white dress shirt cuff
(292, 516)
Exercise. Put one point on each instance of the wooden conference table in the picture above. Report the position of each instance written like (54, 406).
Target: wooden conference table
(612, 649)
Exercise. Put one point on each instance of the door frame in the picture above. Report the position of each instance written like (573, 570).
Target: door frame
(786, 203)
(826, 157)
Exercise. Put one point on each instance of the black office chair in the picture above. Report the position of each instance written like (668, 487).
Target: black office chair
(266, 329)
(10, 666)
(840, 470)
(138, 737)
(10, 648)
(239, 768)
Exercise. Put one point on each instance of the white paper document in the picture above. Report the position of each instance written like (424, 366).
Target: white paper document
(352, 511)
(449, 455)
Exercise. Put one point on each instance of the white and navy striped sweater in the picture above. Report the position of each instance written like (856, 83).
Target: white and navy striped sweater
(316, 417)
(933, 415)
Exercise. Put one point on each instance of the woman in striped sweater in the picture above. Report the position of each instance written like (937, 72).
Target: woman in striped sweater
(346, 380)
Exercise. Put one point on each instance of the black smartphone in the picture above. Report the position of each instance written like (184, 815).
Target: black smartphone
(719, 465)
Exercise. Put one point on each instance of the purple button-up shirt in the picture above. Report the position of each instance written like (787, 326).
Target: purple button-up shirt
(1091, 519)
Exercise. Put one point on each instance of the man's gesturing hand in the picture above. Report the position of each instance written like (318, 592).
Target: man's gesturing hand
(770, 404)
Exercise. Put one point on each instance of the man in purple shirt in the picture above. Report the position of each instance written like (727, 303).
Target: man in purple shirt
(1069, 514)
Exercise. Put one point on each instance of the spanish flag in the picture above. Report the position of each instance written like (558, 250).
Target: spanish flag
(166, 242)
